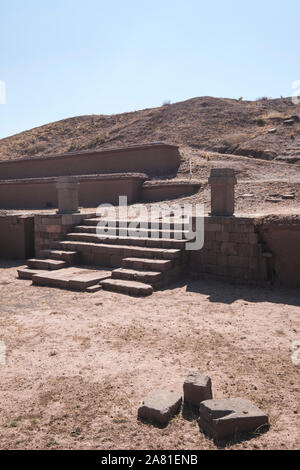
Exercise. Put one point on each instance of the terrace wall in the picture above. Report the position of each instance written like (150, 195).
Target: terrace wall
(153, 159)
(41, 193)
(16, 237)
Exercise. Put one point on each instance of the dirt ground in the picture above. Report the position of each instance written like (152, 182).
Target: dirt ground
(78, 365)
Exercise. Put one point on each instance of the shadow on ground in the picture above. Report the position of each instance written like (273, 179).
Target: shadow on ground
(224, 292)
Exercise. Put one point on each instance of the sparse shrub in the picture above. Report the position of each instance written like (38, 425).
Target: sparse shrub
(100, 139)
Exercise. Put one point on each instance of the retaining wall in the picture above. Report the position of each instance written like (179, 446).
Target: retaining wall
(41, 193)
(283, 240)
(153, 159)
(232, 250)
(165, 190)
(16, 237)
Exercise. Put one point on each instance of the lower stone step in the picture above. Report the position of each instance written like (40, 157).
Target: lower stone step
(27, 273)
(147, 277)
(46, 264)
(71, 278)
(147, 264)
(71, 257)
(127, 287)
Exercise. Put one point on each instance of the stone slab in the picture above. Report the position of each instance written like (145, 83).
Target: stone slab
(197, 388)
(229, 416)
(160, 406)
(71, 278)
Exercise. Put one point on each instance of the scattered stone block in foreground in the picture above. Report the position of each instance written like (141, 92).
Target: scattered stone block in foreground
(223, 418)
(197, 388)
(160, 406)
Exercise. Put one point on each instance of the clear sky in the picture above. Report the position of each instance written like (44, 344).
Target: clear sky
(63, 58)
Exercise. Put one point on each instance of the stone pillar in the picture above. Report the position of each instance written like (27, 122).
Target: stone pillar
(67, 195)
(222, 181)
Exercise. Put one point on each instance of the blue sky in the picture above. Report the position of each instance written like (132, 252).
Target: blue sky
(63, 58)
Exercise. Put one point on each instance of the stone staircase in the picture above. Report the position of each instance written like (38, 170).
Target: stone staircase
(85, 259)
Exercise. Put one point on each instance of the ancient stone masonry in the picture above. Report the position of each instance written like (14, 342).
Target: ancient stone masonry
(67, 195)
(232, 250)
(16, 236)
(222, 181)
(51, 228)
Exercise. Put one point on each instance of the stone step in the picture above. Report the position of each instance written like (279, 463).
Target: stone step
(134, 241)
(27, 273)
(141, 233)
(93, 289)
(71, 278)
(127, 287)
(70, 257)
(175, 224)
(147, 277)
(46, 264)
(122, 251)
(161, 265)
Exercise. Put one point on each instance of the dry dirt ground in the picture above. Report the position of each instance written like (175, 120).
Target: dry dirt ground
(78, 364)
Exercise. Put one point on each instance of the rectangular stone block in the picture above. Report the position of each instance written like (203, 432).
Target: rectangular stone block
(222, 236)
(197, 388)
(213, 227)
(229, 248)
(227, 417)
(160, 406)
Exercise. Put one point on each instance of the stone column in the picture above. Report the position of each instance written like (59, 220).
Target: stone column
(67, 195)
(222, 181)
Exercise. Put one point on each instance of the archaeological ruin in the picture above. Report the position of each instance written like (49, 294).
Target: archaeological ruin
(49, 217)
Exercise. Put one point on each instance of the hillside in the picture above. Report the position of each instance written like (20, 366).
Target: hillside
(210, 124)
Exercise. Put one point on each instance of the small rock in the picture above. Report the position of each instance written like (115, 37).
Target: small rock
(247, 195)
(288, 196)
(197, 388)
(226, 417)
(160, 406)
(289, 122)
(272, 131)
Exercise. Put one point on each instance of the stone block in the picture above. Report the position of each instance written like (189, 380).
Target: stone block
(197, 388)
(229, 416)
(253, 238)
(160, 406)
(228, 248)
(222, 236)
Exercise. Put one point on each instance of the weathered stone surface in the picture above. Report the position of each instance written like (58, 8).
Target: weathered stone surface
(160, 406)
(226, 417)
(197, 388)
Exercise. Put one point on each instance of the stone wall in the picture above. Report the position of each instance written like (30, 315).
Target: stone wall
(52, 228)
(41, 193)
(282, 238)
(232, 250)
(153, 159)
(155, 191)
(16, 237)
